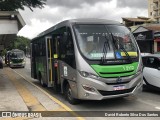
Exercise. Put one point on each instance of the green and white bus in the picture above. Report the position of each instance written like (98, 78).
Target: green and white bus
(87, 59)
(16, 58)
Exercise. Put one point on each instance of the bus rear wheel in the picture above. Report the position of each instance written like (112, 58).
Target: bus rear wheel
(69, 95)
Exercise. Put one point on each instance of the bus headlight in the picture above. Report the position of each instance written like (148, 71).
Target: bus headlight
(94, 76)
(88, 88)
(90, 75)
(139, 71)
(84, 74)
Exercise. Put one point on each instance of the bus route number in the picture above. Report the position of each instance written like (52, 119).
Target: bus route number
(127, 68)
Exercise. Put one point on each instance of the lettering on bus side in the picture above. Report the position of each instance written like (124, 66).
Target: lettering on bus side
(65, 71)
(128, 68)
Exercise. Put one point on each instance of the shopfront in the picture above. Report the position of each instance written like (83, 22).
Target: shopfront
(145, 39)
(157, 45)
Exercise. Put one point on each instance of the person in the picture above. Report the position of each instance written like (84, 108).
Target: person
(1, 62)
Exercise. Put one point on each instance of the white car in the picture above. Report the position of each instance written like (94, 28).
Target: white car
(151, 70)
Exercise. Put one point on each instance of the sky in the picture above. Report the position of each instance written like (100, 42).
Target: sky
(56, 11)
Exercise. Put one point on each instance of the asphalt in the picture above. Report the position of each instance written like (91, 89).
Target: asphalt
(17, 94)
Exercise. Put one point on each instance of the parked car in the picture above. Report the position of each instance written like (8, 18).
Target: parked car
(1, 62)
(151, 70)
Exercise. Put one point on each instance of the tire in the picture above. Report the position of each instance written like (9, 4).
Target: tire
(69, 96)
(144, 87)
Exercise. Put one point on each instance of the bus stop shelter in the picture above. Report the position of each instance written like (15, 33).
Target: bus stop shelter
(10, 23)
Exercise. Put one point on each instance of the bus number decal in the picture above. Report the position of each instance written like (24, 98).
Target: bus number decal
(65, 71)
(127, 68)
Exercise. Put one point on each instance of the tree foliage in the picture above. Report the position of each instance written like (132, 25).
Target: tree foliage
(21, 43)
(12, 5)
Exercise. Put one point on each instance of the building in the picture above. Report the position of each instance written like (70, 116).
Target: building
(10, 23)
(136, 21)
(148, 38)
(154, 10)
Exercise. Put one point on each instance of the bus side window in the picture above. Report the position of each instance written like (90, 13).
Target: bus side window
(69, 44)
(67, 53)
(65, 49)
(36, 49)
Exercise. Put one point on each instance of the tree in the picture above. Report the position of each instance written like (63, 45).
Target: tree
(12, 5)
(19, 43)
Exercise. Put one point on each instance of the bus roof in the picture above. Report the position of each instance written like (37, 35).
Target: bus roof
(77, 21)
(15, 50)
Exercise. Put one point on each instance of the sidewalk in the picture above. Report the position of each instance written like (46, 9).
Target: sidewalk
(17, 94)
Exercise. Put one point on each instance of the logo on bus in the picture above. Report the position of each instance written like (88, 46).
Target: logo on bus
(119, 79)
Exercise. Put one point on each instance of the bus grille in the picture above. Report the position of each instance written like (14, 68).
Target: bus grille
(118, 83)
(105, 93)
(116, 72)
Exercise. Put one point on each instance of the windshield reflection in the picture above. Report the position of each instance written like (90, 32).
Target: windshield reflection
(91, 39)
(17, 55)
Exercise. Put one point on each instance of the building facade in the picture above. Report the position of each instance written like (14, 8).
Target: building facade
(148, 38)
(154, 9)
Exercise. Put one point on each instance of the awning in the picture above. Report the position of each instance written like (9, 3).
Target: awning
(10, 23)
(157, 40)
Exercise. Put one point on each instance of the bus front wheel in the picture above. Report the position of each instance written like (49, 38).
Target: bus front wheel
(69, 95)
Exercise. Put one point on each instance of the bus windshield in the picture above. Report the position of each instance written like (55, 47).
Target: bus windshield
(17, 55)
(112, 40)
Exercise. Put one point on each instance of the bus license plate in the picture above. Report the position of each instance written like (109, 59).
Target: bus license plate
(120, 87)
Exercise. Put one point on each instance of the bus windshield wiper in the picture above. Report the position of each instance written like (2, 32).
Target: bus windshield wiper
(105, 49)
(121, 47)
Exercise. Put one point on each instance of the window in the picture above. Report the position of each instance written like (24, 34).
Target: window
(96, 40)
(153, 62)
(144, 59)
(64, 46)
(36, 48)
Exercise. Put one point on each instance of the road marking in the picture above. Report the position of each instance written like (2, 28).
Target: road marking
(53, 98)
(31, 102)
(149, 103)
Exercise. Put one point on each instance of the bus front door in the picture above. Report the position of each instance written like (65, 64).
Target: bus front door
(52, 62)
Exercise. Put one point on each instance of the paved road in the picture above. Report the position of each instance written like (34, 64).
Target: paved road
(148, 100)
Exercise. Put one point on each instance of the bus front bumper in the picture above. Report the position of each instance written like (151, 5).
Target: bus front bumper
(17, 64)
(99, 90)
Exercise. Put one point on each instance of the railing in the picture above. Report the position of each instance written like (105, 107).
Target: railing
(155, 1)
(155, 7)
(156, 15)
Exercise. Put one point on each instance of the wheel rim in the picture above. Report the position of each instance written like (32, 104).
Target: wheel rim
(69, 93)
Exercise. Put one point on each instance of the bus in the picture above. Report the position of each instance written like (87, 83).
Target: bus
(15, 58)
(87, 59)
